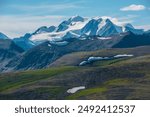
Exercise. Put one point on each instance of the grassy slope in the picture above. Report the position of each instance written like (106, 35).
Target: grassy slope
(76, 58)
(114, 79)
(130, 80)
(11, 82)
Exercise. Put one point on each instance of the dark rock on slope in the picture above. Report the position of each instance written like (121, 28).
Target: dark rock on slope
(133, 40)
(24, 42)
(8, 50)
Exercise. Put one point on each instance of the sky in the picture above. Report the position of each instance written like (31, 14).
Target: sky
(18, 17)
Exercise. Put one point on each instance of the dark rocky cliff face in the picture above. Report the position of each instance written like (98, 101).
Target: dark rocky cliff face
(8, 50)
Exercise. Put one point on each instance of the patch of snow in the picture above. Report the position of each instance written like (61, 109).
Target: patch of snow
(77, 26)
(70, 34)
(90, 59)
(75, 89)
(76, 18)
(88, 33)
(47, 36)
(93, 59)
(104, 38)
(83, 63)
(102, 24)
(61, 43)
(123, 55)
(82, 38)
(49, 45)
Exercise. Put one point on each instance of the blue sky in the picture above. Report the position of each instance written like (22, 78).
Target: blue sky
(20, 16)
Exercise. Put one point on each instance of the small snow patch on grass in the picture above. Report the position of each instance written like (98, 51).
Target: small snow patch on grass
(75, 89)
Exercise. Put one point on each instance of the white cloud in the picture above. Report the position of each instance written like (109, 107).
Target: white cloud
(45, 8)
(145, 27)
(15, 26)
(18, 25)
(128, 17)
(54, 7)
(118, 21)
(133, 7)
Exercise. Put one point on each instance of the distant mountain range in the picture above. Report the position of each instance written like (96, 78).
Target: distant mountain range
(79, 27)
(47, 44)
(75, 27)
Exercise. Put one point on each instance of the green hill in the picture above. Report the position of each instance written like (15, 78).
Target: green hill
(122, 78)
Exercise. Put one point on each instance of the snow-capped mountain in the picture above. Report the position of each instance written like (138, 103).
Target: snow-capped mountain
(70, 28)
(44, 29)
(3, 36)
(129, 27)
(78, 27)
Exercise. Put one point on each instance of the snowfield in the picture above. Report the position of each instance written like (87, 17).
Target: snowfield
(93, 59)
(90, 59)
(104, 38)
(83, 63)
(62, 43)
(49, 45)
(75, 89)
(123, 55)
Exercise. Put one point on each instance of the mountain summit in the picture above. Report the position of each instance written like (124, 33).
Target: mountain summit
(3, 36)
(80, 27)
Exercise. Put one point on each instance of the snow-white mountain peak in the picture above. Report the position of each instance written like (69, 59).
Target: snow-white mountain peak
(44, 29)
(76, 18)
(77, 26)
(129, 25)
